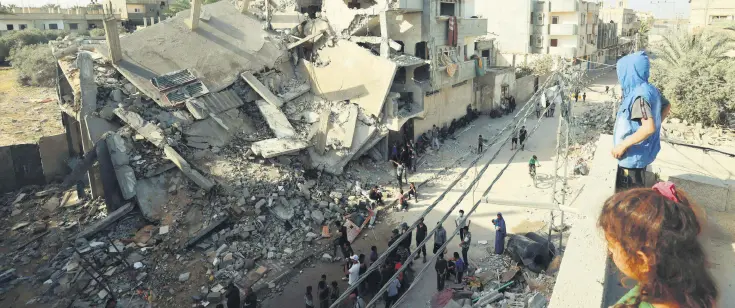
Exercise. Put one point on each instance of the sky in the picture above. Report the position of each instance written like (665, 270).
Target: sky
(660, 8)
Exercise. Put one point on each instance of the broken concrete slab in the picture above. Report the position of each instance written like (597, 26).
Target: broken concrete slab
(213, 103)
(276, 120)
(118, 150)
(366, 90)
(294, 93)
(218, 130)
(97, 127)
(286, 20)
(278, 146)
(184, 166)
(126, 180)
(150, 131)
(333, 162)
(107, 221)
(205, 231)
(262, 90)
(313, 37)
(375, 40)
(349, 126)
(152, 195)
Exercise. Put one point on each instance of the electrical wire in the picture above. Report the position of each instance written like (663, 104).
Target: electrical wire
(456, 231)
(381, 259)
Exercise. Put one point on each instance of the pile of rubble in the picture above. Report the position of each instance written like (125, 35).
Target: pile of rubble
(695, 133)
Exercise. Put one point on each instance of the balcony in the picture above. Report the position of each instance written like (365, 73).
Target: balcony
(400, 108)
(565, 6)
(565, 52)
(465, 71)
(472, 26)
(570, 29)
(407, 5)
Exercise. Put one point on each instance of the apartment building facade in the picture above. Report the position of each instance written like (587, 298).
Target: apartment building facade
(74, 19)
(135, 13)
(704, 13)
(626, 19)
(437, 63)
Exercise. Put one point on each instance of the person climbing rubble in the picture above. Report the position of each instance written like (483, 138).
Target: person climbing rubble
(636, 135)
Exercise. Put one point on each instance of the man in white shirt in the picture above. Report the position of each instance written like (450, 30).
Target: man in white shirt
(354, 271)
(461, 222)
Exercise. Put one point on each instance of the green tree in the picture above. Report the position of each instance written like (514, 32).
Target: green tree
(644, 29)
(181, 5)
(694, 72)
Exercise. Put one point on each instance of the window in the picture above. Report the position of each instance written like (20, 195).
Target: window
(10, 27)
(421, 50)
(554, 42)
(538, 41)
(163, 4)
(540, 18)
(446, 9)
(73, 26)
(554, 20)
(53, 26)
(91, 26)
(583, 18)
(22, 26)
(137, 10)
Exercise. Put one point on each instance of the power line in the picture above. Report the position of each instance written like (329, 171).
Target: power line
(526, 108)
(456, 231)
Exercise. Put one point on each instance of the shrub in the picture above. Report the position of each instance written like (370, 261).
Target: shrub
(36, 65)
(97, 32)
(15, 39)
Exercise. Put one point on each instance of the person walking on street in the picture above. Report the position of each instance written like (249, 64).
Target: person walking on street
(522, 137)
(441, 272)
(402, 202)
(551, 109)
(392, 293)
(233, 295)
(323, 294)
(334, 292)
(420, 236)
(512, 104)
(466, 241)
(399, 174)
(435, 137)
(538, 110)
(340, 238)
(576, 97)
(499, 234)
(309, 298)
(440, 237)
(584, 96)
(459, 267)
(251, 300)
(354, 272)
(607, 88)
(514, 140)
(461, 222)
(480, 142)
(406, 243)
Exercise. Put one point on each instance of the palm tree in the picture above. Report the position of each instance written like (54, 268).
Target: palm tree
(181, 5)
(680, 47)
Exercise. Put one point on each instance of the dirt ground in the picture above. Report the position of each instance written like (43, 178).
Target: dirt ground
(26, 113)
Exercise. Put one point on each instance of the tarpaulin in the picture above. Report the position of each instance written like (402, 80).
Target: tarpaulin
(452, 31)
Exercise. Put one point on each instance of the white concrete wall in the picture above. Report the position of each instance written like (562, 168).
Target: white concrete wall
(565, 18)
(511, 24)
(405, 28)
(47, 23)
(16, 24)
(524, 88)
(441, 108)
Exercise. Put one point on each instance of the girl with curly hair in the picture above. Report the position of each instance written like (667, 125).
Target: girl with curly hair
(652, 238)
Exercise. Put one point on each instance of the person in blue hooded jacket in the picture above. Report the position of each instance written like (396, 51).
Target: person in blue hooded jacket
(636, 137)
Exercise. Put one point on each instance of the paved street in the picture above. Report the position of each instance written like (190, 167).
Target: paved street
(515, 185)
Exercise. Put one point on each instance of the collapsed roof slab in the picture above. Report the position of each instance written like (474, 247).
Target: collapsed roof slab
(276, 120)
(216, 52)
(262, 90)
(368, 81)
(334, 161)
(341, 17)
(286, 20)
(278, 146)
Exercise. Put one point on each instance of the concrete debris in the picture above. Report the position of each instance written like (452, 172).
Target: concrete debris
(184, 166)
(107, 221)
(286, 20)
(537, 301)
(313, 37)
(278, 146)
(264, 92)
(150, 131)
(276, 120)
(184, 277)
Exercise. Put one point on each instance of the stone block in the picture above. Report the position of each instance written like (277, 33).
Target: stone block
(127, 181)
